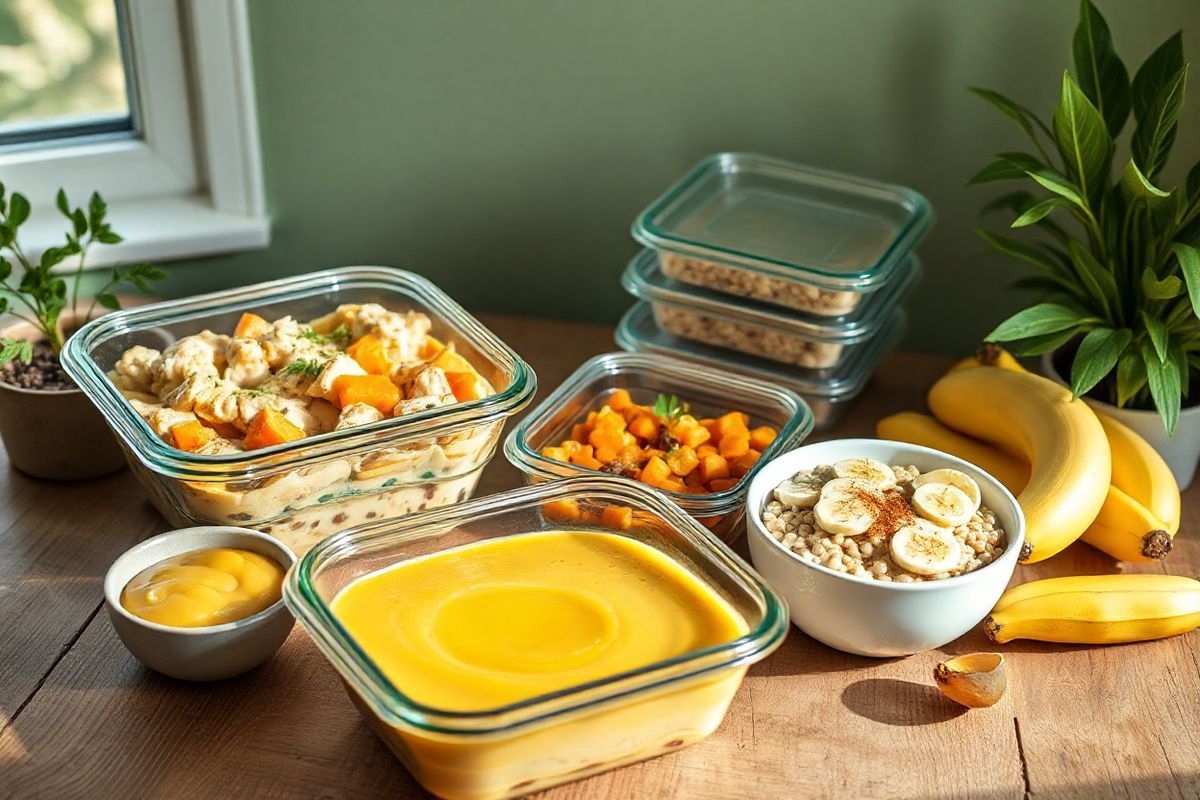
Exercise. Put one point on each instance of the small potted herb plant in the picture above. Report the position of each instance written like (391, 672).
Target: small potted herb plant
(1116, 252)
(48, 427)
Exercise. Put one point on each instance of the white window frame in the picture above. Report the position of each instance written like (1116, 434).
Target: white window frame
(191, 184)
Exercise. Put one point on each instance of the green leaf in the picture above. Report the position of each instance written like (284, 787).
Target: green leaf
(1099, 281)
(97, 209)
(1037, 345)
(668, 407)
(79, 221)
(1035, 321)
(1131, 375)
(51, 256)
(1189, 265)
(15, 350)
(1030, 254)
(5, 268)
(1165, 289)
(1193, 182)
(1102, 75)
(1165, 387)
(60, 200)
(108, 237)
(3, 304)
(108, 300)
(1157, 329)
(1007, 166)
(18, 210)
(1036, 212)
(1137, 185)
(1181, 367)
(1096, 357)
(1082, 138)
(1155, 73)
(1060, 185)
(1155, 132)
(1014, 111)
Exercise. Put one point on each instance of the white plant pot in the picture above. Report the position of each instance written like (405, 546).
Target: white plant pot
(1181, 451)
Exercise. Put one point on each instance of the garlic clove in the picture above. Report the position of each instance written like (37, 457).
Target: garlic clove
(976, 680)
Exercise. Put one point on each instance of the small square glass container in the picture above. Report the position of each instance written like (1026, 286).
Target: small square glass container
(708, 393)
(827, 392)
(789, 337)
(804, 238)
(568, 734)
(305, 490)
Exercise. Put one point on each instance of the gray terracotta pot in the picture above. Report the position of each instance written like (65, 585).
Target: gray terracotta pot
(55, 435)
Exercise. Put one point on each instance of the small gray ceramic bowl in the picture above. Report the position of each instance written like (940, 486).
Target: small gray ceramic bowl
(198, 654)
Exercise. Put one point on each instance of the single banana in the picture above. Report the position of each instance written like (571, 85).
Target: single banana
(922, 429)
(1037, 420)
(1124, 528)
(867, 469)
(924, 548)
(802, 490)
(991, 355)
(848, 506)
(1100, 609)
(943, 504)
(1140, 472)
(956, 478)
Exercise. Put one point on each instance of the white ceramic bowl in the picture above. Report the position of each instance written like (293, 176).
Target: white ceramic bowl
(862, 615)
(198, 654)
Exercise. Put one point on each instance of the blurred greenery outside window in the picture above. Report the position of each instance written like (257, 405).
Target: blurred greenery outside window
(63, 71)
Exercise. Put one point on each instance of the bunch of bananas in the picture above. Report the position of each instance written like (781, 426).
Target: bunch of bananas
(1077, 475)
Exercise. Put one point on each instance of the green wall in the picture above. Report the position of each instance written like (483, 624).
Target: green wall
(502, 148)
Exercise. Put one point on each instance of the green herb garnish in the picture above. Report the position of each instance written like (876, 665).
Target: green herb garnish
(308, 367)
(668, 407)
(339, 336)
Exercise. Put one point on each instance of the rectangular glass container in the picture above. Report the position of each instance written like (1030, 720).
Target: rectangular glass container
(569, 734)
(796, 236)
(305, 490)
(788, 337)
(708, 393)
(827, 392)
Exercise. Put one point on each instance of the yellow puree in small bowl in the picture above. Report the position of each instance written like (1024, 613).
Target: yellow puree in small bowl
(205, 587)
(503, 620)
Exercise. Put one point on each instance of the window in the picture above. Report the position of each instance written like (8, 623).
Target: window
(151, 103)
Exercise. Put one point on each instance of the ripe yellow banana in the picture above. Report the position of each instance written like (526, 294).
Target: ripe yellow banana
(1124, 528)
(991, 355)
(1035, 419)
(1099, 609)
(1140, 472)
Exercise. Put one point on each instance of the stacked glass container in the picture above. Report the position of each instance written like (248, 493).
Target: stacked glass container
(780, 271)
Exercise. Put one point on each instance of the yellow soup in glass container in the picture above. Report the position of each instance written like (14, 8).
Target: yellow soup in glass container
(499, 621)
(204, 587)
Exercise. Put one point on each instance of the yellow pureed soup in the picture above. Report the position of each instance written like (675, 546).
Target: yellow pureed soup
(205, 587)
(504, 620)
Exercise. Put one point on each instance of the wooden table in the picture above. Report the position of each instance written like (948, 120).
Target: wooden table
(81, 718)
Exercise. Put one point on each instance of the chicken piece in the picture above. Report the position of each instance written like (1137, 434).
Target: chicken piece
(429, 382)
(361, 320)
(358, 414)
(219, 342)
(161, 420)
(280, 343)
(208, 397)
(246, 363)
(189, 356)
(220, 446)
(403, 335)
(135, 369)
(314, 416)
(415, 404)
(336, 367)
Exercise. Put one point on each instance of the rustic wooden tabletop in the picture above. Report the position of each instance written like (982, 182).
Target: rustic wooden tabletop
(79, 717)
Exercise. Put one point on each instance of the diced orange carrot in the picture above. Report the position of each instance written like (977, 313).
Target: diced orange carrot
(224, 429)
(734, 445)
(644, 427)
(191, 435)
(655, 472)
(606, 438)
(693, 481)
(270, 427)
(465, 385)
(695, 436)
(711, 522)
(682, 460)
(712, 467)
(742, 464)
(377, 391)
(371, 355)
(605, 455)
(565, 510)
(617, 517)
(652, 452)
(705, 450)
(430, 348)
(733, 422)
(555, 453)
(591, 418)
(586, 461)
(448, 359)
(571, 446)
(251, 326)
(721, 484)
(630, 454)
(580, 431)
(761, 437)
(607, 418)
(619, 400)
(672, 485)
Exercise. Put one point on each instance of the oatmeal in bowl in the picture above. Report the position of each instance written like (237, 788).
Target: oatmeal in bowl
(882, 548)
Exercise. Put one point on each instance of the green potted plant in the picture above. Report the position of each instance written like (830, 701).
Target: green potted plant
(1116, 252)
(48, 426)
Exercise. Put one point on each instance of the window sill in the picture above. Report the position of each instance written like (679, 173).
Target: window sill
(155, 229)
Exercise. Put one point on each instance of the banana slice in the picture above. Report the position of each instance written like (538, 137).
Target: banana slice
(848, 506)
(802, 489)
(957, 479)
(867, 469)
(925, 549)
(943, 504)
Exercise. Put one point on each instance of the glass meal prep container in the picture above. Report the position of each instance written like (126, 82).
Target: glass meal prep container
(827, 392)
(708, 392)
(568, 734)
(760, 330)
(304, 490)
(796, 236)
